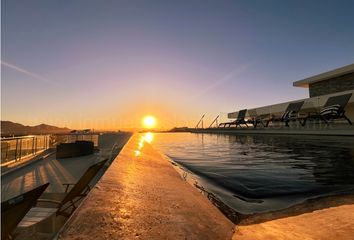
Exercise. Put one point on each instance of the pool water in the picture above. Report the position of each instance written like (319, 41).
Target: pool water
(261, 173)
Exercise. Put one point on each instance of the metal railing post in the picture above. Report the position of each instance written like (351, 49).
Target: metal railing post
(200, 121)
(33, 146)
(20, 149)
(16, 149)
(215, 120)
(7, 150)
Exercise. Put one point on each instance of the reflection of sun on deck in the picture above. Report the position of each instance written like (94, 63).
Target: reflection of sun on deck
(144, 197)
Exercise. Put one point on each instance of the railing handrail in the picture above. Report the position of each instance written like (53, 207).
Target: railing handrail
(14, 149)
(21, 137)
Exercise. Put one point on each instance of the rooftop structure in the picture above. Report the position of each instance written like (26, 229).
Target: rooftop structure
(337, 80)
(322, 88)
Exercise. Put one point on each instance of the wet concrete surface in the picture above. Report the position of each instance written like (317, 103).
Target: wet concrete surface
(328, 223)
(141, 196)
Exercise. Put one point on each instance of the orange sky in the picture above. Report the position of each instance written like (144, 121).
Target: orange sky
(106, 66)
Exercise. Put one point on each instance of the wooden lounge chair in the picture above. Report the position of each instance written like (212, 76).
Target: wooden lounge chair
(14, 209)
(333, 109)
(239, 120)
(291, 113)
(66, 202)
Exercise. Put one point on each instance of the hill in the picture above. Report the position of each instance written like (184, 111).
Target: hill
(9, 128)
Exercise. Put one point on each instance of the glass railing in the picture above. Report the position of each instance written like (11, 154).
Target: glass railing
(18, 148)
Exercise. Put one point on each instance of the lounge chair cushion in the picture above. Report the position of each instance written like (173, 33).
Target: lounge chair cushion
(333, 110)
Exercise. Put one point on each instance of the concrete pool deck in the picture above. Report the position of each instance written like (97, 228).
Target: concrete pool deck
(141, 196)
(329, 223)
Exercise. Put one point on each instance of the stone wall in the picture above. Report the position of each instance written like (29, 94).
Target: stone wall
(333, 85)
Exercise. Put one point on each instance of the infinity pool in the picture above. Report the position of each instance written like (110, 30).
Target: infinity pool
(260, 173)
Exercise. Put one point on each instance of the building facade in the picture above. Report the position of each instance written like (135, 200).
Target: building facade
(338, 80)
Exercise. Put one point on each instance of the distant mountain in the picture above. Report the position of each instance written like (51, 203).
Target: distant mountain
(11, 128)
(180, 129)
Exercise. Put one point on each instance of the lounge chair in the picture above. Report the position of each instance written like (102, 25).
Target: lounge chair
(333, 109)
(66, 202)
(14, 209)
(291, 113)
(239, 120)
(255, 119)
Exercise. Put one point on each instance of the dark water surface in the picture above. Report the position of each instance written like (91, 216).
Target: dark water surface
(259, 173)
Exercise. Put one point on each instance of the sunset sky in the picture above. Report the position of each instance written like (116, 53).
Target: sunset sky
(107, 64)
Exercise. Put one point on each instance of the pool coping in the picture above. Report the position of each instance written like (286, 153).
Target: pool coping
(280, 131)
(162, 213)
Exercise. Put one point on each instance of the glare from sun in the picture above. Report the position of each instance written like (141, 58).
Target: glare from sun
(148, 137)
(149, 122)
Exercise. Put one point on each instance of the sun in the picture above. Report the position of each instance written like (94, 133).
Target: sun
(149, 122)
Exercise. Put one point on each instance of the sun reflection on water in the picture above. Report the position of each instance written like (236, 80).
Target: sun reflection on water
(147, 137)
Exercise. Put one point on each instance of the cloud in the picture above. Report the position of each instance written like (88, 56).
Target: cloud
(28, 73)
(224, 79)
